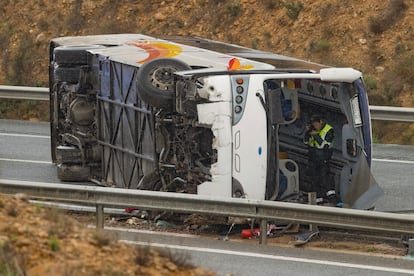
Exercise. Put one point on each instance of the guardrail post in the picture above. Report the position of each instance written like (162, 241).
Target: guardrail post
(411, 247)
(263, 232)
(99, 216)
(311, 201)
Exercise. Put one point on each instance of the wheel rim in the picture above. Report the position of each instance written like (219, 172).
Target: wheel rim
(163, 78)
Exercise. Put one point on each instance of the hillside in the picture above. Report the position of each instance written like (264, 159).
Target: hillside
(375, 37)
(38, 241)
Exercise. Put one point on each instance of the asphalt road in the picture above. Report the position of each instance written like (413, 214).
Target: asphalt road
(25, 155)
(25, 151)
(235, 258)
(393, 168)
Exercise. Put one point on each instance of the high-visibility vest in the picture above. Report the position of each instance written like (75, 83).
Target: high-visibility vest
(322, 133)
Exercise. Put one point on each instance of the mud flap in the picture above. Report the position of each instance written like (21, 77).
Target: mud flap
(363, 190)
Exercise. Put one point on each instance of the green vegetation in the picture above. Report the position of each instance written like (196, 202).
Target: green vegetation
(59, 225)
(293, 9)
(233, 8)
(268, 38)
(10, 262)
(272, 4)
(20, 66)
(370, 82)
(39, 208)
(255, 43)
(54, 244)
(399, 49)
(405, 69)
(389, 17)
(375, 138)
(320, 46)
(12, 212)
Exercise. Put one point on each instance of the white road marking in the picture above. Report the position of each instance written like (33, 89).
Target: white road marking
(24, 135)
(25, 161)
(276, 257)
(48, 137)
(393, 161)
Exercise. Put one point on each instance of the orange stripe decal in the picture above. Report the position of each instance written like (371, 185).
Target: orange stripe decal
(156, 49)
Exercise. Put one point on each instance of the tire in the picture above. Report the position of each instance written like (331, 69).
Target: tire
(73, 173)
(150, 182)
(156, 81)
(73, 55)
(66, 74)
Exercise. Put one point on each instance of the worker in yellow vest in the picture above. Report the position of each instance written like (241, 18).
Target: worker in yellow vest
(319, 137)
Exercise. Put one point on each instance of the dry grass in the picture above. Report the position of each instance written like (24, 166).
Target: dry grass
(11, 263)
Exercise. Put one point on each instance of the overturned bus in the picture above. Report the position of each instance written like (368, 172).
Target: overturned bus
(198, 116)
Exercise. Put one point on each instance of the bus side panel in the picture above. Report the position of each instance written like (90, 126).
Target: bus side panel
(250, 145)
(126, 127)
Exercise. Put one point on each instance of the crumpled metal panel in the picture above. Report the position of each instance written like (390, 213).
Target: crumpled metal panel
(363, 191)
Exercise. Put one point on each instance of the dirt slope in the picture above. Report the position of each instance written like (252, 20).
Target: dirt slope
(375, 37)
(45, 242)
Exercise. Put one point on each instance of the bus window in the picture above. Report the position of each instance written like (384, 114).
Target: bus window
(283, 103)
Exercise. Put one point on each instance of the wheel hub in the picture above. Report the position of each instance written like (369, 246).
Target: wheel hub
(162, 78)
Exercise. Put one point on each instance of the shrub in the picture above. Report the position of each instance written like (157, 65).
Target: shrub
(255, 42)
(59, 225)
(12, 212)
(370, 82)
(394, 11)
(320, 46)
(399, 49)
(143, 255)
(20, 65)
(6, 32)
(234, 8)
(271, 4)
(10, 262)
(54, 244)
(102, 238)
(405, 69)
(293, 9)
(268, 38)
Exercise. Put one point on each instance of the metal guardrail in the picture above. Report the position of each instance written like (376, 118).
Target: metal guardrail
(390, 113)
(187, 203)
(382, 113)
(24, 93)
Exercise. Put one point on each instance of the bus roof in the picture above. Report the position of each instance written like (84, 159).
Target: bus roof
(136, 49)
(278, 61)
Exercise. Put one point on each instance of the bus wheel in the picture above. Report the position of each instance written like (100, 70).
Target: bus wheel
(73, 173)
(156, 81)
